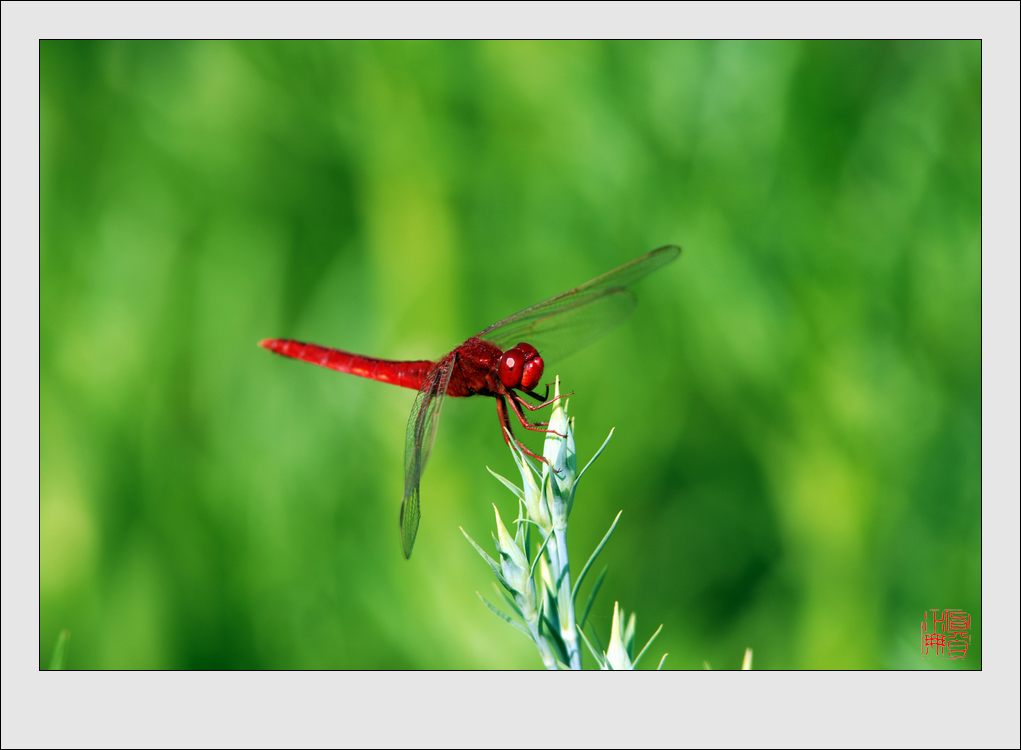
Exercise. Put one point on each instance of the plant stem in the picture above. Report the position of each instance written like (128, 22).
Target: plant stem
(565, 601)
(545, 652)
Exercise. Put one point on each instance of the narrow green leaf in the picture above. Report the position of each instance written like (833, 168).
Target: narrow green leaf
(508, 597)
(594, 457)
(526, 522)
(504, 616)
(646, 646)
(551, 617)
(592, 596)
(662, 660)
(523, 530)
(595, 554)
(553, 635)
(595, 637)
(538, 554)
(508, 484)
(629, 633)
(597, 655)
(484, 555)
(564, 572)
(521, 537)
(550, 597)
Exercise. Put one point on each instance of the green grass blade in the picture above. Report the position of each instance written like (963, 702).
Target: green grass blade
(560, 578)
(646, 646)
(508, 597)
(598, 656)
(538, 554)
(592, 597)
(483, 554)
(553, 635)
(504, 616)
(594, 555)
(595, 637)
(594, 457)
(508, 484)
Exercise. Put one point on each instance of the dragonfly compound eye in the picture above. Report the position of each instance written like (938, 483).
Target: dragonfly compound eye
(511, 365)
(532, 373)
(527, 351)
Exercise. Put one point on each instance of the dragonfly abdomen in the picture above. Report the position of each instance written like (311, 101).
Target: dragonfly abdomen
(407, 374)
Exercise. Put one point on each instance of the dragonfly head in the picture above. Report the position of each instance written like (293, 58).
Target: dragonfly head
(521, 367)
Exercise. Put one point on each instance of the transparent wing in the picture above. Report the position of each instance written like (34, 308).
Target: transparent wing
(565, 323)
(421, 432)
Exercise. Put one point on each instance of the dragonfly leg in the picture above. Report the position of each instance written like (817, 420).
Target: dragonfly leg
(534, 427)
(546, 401)
(535, 395)
(508, 434)
(518, 401)
(501, 412)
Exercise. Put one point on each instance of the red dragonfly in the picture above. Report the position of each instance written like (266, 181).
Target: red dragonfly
(501, 361)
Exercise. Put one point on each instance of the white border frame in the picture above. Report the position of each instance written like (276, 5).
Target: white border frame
(462, 709)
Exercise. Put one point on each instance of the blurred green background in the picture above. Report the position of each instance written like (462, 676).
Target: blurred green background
(796, 399)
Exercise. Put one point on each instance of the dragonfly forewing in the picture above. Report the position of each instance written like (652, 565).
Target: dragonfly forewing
(418, 441)
(569, 321)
